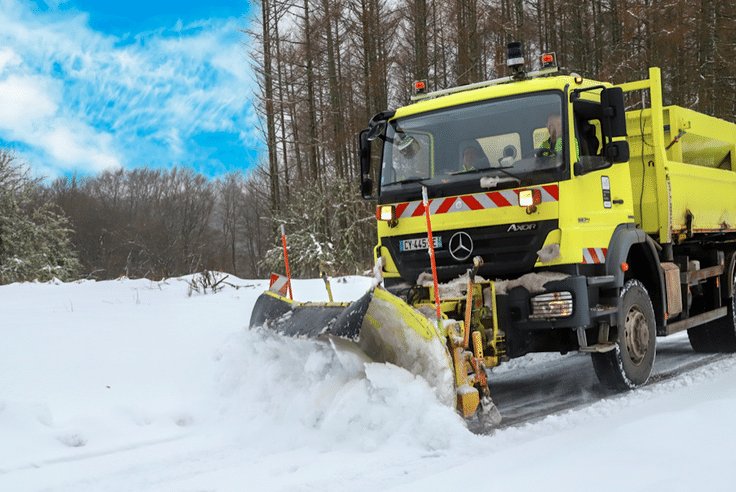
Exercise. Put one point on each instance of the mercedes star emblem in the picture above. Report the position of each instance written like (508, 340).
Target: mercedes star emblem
(461, 246)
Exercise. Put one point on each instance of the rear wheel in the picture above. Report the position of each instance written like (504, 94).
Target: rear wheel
(630, 363)
(718, 335)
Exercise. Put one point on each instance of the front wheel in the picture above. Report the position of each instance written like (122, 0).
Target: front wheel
(629, 365)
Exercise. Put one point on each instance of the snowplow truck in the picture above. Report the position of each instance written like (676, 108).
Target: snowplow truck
(565, 214)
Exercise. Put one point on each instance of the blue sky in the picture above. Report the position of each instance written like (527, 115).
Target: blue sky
(87, 85)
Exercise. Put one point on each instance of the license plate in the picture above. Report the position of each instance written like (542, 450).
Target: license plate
(420, 243)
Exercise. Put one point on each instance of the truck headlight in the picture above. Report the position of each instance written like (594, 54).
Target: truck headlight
(552, 305)
(530, 197)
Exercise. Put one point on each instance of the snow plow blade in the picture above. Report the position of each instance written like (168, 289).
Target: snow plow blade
(310, 319)
(388, 330)
(383, 326)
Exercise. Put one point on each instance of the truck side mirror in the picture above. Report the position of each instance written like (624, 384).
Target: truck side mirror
(614, 114)
(364, 154)
(366, 188)
(376, 131)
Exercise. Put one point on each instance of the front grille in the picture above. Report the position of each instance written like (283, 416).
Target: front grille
(505, 249)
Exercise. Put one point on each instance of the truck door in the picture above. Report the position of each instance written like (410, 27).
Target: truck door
(601, 187)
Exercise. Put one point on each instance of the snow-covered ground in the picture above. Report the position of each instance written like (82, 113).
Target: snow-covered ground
(132, 385)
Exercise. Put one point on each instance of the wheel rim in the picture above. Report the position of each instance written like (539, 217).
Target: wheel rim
(637, 334)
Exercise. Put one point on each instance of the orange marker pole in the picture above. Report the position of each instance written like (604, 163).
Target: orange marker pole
(286, 260)
(425, 201)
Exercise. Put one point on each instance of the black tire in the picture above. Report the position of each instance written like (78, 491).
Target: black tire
(629, 365)
(718, 335)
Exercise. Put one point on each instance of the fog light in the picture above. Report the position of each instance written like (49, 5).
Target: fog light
(552, 305)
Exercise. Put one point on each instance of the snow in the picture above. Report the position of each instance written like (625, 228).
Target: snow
(136, 385)
(533, 282)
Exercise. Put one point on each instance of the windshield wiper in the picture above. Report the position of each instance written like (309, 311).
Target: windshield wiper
(406, 181)
(484, 169)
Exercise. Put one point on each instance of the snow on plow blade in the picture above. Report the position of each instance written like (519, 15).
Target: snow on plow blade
(383, 326)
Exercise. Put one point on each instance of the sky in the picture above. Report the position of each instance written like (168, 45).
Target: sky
(89, 85)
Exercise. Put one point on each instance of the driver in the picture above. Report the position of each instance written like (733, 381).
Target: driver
(553, 144)
(471, 154)
(554, 127)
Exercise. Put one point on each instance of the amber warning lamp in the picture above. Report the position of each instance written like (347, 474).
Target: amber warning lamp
(549, 60)
(420, 87)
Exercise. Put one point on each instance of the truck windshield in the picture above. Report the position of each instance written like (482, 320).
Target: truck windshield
(491, 144)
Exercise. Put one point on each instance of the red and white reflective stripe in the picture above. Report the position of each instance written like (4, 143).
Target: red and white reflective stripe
(279, 284)
(594, 255)
(467, 203)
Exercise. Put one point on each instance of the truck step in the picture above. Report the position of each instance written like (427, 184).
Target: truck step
(602, 281)
(599, 311)
(599, 347)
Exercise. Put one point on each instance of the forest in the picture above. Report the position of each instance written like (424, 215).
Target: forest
(322, 69)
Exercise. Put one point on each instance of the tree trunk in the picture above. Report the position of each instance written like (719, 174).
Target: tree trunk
(312, 157)
(282, 113)
(336, 110)
(273, 168)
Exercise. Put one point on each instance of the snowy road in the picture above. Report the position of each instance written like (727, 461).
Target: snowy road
(546, 384)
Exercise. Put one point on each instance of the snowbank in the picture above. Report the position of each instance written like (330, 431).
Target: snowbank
(136, 385)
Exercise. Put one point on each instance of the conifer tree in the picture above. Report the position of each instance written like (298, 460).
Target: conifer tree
(34, 239)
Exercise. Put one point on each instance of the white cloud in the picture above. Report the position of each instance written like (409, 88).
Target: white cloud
(73, 146)
(8, 57)
(85, 100)
(31, 115)
(25, 101)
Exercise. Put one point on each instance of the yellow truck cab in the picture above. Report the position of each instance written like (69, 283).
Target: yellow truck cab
(602, 228)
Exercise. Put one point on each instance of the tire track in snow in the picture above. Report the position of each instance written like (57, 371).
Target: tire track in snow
(569, 383)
